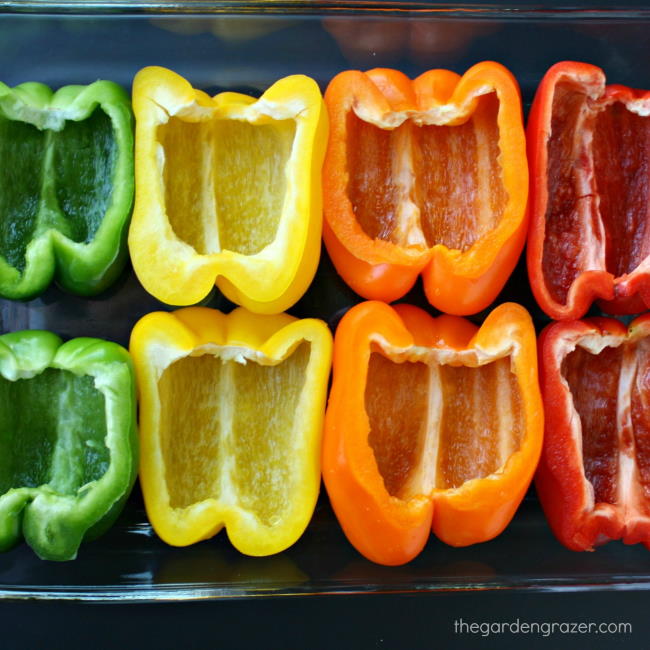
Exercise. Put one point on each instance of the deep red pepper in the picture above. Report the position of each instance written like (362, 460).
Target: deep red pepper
(594, 476)
(589, 201)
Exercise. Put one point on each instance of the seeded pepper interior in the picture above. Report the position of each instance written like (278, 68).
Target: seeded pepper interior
(53, 430)
(72, 169)
(600, 210)
(415, 184)
(608, 392)
(438, 426)
(241, 189)
(227, 430)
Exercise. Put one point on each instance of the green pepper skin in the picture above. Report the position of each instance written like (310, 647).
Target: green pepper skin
(66, 187)
(59, 492)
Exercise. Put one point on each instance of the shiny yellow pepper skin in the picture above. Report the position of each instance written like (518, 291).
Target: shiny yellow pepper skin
(250, 454)
(177, 245)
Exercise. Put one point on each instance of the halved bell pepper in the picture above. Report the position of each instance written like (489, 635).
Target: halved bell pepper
(231, 415)
(228, 190)
(431, 424)
(589, 155)
(68, 441)
(426, 176)
(66, 187)
(594, 476)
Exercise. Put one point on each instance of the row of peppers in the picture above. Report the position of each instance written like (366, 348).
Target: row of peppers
(422, 177)
(407, 162)
(432, 424)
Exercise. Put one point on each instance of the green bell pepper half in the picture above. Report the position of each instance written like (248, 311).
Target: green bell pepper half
(68, 440)
(66, 187)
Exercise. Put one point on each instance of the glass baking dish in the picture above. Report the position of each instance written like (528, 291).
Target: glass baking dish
(246, 46)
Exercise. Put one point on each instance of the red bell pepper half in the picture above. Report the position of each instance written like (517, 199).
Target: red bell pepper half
(589, 155)
(594, 476)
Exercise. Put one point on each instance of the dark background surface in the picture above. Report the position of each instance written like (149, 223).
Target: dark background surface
(374, 621)
(248, 53)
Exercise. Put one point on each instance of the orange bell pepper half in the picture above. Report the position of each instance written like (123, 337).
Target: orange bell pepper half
(432, 423)
(426, 176)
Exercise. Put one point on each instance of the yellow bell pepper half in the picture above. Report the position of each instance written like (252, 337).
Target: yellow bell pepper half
(231, 417)
(228, 190)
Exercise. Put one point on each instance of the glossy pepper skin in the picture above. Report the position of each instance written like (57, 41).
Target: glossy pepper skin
(228, 191)
(235, 402)
(426, 177)
(589, 156)
(593, 476)
(66, 187)
(389, 494)
(68, 441)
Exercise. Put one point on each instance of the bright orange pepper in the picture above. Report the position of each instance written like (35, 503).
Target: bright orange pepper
(426, 176)
(431, 424)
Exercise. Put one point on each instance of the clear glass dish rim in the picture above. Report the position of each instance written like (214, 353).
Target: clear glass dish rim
(263, 9)
(379, 8)
(175, 592)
